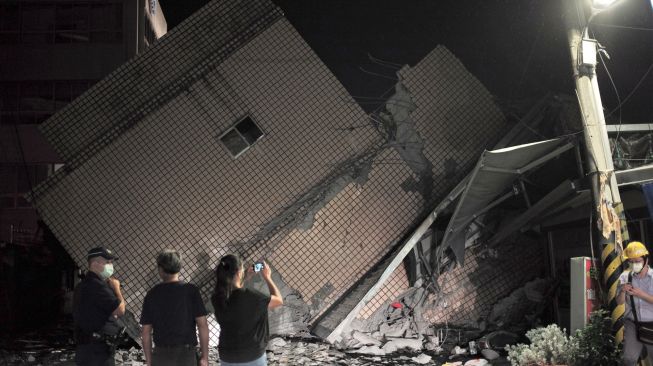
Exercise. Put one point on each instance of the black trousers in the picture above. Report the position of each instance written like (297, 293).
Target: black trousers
(174, 356)
(94, 354)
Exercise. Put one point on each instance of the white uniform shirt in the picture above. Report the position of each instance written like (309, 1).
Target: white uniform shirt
(644, 308)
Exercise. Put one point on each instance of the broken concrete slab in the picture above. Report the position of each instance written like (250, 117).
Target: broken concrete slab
(512, 311)
(365, 339)
(421, 359)
(396, 344)
(490, 354)
(275, 344)
(369, 350)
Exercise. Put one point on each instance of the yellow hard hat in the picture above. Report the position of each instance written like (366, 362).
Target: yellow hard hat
(635, 249)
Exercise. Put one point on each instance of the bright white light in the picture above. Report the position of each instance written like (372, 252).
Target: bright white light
(602, 4)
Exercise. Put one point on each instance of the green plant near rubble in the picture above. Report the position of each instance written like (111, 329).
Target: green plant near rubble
(593, 345)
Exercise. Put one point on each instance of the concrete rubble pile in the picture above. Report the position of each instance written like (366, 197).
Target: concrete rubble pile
(398, 328)
(281, 351)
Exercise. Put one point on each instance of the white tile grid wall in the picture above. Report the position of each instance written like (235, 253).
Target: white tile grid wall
(167, 182)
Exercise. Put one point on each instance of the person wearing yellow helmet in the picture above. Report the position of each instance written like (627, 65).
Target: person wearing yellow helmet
(636, 291)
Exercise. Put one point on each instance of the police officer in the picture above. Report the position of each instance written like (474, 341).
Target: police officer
(98, 302)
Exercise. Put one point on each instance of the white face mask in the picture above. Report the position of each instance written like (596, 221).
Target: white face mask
(637, 267)
(107, 271)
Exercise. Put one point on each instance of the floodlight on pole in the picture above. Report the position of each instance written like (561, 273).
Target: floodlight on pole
(602, 4)
(599, 6)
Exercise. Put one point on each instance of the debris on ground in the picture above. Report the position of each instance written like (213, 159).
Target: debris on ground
(281, 351)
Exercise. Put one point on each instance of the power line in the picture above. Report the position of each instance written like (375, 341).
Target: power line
(623, 27)
(632, 91)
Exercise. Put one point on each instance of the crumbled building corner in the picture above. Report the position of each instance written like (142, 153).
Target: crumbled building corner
(400, 131)
(402, 324)
(395, 325)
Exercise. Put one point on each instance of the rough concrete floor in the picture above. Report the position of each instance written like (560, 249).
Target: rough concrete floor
(294, 352)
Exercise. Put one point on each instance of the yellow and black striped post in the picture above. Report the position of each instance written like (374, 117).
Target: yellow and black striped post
(600, 168)
(612, 269)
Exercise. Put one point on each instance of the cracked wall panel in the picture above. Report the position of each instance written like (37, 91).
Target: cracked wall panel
(311, 83)
(452, 117)
(455, 114)
(352, 232)
(310, 142)
(471, 291)
(167, 182)
(117, 198)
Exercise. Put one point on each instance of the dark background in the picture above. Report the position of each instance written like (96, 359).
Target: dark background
(516, 48)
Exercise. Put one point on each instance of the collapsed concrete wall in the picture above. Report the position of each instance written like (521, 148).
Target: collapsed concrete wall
(468, 293)
(167, 180)
(320, 200)
(416, 152)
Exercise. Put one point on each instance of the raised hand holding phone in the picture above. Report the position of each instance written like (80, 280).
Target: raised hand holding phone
(258, 266)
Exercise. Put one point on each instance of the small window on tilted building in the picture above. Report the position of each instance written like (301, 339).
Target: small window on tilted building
(241, 136)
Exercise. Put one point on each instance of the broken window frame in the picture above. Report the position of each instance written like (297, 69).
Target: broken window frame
(246, 140)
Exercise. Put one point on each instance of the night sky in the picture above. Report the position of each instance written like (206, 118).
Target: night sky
(516, 48)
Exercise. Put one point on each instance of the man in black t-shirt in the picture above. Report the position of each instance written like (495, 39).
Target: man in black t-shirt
(97, 303)
(172, 310)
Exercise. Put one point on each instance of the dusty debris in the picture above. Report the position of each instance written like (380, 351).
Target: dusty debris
(422, 359)
(276, 344)
(396, 344)
(499, 339)
(490, 354)
(369, 350)
(281, 351)
(520, 308)
(365, 339)
(458, 351)
(401, 317)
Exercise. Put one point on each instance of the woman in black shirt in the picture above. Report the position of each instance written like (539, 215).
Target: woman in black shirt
(242, 313)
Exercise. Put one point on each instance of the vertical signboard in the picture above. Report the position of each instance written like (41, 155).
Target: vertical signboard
(584, 297)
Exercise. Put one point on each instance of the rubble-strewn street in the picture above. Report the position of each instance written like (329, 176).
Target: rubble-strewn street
(281, 352)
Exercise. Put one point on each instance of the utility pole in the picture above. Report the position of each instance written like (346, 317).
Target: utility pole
(608, 209)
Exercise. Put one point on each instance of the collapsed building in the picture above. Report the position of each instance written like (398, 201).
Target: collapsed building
(231, 135)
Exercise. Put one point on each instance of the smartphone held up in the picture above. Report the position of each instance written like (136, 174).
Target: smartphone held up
(258, 266)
